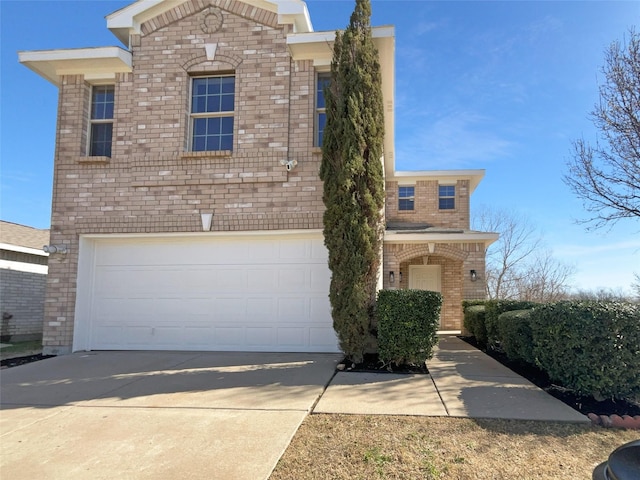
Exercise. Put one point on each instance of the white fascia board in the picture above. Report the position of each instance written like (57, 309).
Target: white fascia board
(468, 237)
(294, 12)
(21, 249)
(411, 177)
(95, 62)
(24, 267)
(240, 233)
(312, 45)
(127, 20)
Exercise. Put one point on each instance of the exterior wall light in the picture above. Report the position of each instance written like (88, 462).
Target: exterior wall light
(400, 277)
(392, 278)
(55, 249)
(473, 275)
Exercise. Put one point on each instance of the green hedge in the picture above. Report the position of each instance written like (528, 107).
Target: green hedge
(591, 347)
(474, 323)
(516, 338)
(407, 325)
(493, 309)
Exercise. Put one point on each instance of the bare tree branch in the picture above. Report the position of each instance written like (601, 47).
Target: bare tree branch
(607, 176)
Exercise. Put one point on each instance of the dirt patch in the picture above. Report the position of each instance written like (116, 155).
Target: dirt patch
(14, 362)
(371, 363)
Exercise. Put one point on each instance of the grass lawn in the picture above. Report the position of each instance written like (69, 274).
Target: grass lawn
(20, 349)
(395, 447)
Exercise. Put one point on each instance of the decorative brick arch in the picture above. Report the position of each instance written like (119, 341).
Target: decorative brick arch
(421, 250)
(202, 63)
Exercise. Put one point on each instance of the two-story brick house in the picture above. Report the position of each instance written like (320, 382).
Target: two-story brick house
(186, 187)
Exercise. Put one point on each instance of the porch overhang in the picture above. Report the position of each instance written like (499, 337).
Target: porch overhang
(439, 236)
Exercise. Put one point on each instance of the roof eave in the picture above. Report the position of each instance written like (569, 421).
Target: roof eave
(487, 238)
(474, 176)
(97, 63)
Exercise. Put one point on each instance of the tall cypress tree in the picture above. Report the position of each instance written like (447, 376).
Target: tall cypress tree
(353, 178)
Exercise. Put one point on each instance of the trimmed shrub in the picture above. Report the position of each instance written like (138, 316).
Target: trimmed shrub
(514, 331)
(474, 323)
(407, 324)
(591, 347)
(493, 310)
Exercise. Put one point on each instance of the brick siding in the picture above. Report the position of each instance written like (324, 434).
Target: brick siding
(151, 183)
(22, 297)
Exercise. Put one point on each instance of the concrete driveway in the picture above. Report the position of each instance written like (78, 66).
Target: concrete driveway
(156, 415)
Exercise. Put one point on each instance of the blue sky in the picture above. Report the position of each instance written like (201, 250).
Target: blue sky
(503, 86)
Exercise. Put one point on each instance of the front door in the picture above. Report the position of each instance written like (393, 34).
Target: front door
(425, 277)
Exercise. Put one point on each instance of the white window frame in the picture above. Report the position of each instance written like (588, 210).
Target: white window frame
(444, 197)
(223, 114)
(319, 111)
(97, 121)
(411, 197)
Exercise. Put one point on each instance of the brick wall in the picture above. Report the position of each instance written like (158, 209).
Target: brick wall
(152, 183)
(456, 261)
(426, 205)
(22, 296)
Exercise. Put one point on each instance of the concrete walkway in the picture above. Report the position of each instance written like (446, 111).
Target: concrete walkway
(463, 382)
(150, 415)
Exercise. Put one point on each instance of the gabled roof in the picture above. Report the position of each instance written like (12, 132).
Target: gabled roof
(128, 20)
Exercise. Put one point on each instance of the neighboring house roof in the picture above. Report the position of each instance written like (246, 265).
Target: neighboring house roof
(21, 248)
(23, 236)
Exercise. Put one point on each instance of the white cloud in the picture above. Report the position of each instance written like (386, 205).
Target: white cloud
(573, 250)
(457, 140)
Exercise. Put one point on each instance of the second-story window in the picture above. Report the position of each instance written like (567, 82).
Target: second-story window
(321, 113)
(446, 197)
(406, 198)
(102, 99)
(212, 109)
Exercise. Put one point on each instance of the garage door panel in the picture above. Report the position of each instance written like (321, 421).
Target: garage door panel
(291, 336)
(319, 278)
(260, 336)
(261, 279)
(322, 338)
(291, 250)
(261, 293)
(260, 308)
(293, 279)
(292, 309)
(320, 311)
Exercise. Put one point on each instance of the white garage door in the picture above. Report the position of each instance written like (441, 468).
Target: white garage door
(245, 293)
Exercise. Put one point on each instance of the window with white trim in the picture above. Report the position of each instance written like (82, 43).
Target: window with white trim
(322, 81)
(101, 122)
(212, 113)
(406, 198)
(446, 197)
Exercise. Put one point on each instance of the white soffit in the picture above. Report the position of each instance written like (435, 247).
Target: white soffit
(439, 237)
(411, 177)
(97, 63)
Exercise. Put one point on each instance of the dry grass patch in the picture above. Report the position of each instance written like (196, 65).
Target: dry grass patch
(388, 447)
